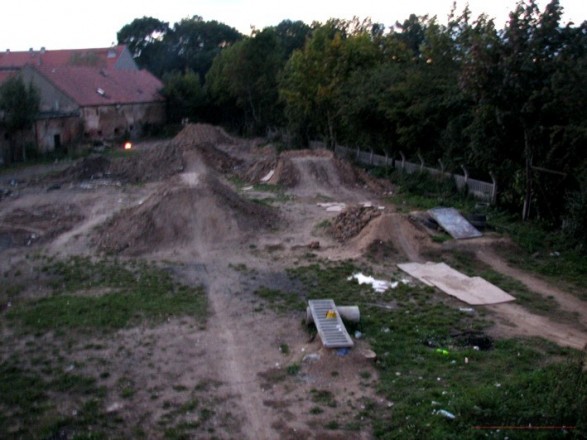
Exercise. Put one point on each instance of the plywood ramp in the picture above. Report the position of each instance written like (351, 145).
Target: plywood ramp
(472, 290)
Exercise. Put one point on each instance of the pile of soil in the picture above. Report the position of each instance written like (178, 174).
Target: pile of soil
(196, 134)
(23, 227)
(94, 166)
(155, 163)
(216, 158)
(201, 217)
(351, 221)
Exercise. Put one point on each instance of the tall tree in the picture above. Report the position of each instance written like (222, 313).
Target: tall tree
(313, 77)
(19, 105)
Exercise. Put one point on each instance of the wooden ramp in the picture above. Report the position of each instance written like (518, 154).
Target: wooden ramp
(331, 329)
(472, 290)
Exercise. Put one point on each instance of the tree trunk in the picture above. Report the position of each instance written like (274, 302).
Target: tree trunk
(528, 190)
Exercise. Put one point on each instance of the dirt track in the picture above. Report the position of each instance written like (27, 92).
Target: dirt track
(187, 213)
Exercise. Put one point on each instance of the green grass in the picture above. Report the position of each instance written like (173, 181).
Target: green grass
(132, 294)
(280, 301)
(29, 404)
(516, 382)
(534, 302)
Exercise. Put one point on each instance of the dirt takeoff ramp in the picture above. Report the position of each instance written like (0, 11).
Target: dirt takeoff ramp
(329, 324)
(472, 290)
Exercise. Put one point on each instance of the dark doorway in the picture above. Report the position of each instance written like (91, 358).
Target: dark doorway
(57, 141)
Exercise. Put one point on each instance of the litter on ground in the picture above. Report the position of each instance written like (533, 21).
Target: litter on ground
(333, 206)
(268, 176)
(378, 285)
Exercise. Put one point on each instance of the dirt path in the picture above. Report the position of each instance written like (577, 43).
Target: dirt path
(514, 320)
(238, 333)
(566, 301)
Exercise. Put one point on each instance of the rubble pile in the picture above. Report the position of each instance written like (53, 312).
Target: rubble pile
(351, 222)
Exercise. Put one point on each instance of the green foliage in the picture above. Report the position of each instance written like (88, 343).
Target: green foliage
(185, 97)
(19, 104)
(190, 44)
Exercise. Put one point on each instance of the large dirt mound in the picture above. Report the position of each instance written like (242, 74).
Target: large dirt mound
(319, 170)
(195, 134)
(160, 161)
(203, 216)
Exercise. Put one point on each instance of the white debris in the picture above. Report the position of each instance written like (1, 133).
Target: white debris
(378, 285)
(333, 207)
(268, 177)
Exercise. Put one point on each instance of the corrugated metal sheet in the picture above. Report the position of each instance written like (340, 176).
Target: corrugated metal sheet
(454, 223)
(331, 330)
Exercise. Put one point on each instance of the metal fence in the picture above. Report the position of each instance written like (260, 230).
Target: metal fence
(482, 190)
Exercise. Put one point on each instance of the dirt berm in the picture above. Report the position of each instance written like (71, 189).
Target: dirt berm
(203, 216)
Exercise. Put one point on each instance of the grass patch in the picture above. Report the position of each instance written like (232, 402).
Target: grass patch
(280, 301)
(513, 382)
(134, 293)
(29, 405)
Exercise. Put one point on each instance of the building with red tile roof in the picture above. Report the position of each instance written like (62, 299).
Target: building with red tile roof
(115, 57)
(86, 95)
(89, 104)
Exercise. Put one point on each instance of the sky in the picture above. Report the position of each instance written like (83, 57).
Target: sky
(74, 24)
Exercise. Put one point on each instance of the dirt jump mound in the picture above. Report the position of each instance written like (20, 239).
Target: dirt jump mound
(202, 216)
(195, 134)
(351, 221)
(159, 161)
(312, 172)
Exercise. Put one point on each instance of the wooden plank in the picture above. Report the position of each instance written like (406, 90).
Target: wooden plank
(472, 290)
(331, 329)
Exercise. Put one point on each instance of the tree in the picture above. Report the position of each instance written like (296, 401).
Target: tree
(142, 33)
(19, 104)
(313, 78)
(185, 97)
(190, 44)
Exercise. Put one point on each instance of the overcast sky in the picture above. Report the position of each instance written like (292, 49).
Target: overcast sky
(70, 24)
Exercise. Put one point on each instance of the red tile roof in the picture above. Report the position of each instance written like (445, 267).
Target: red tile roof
(5, 74)
(100, 57)
(92, 87)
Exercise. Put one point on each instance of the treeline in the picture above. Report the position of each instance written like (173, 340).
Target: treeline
(509, 101)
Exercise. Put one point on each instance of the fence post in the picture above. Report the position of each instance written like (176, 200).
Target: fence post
(421, 162)
(371, 157)
(403, 160)
(357, 155)
(466, 173)
(441, 167)
(494, 189)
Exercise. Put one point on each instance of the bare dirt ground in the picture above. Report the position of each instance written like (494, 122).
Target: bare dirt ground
(186, 215)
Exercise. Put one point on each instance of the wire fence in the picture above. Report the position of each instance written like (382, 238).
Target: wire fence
(485, 191)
